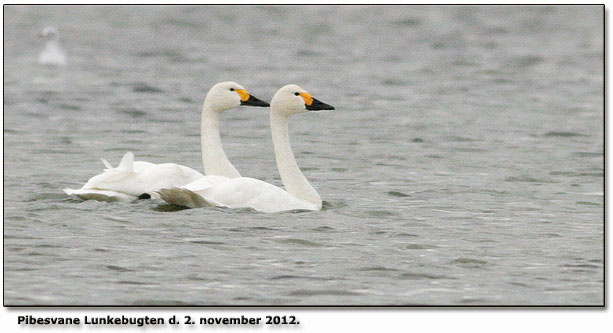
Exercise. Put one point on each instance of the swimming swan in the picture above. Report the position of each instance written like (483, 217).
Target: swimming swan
(133, 180)
(52, 53)
(253, 193)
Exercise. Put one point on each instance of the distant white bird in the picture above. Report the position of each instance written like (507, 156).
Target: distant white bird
(52, 53)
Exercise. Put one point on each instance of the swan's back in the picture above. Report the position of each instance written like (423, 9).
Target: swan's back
(132, 178)
(248, 192)
(166, 175)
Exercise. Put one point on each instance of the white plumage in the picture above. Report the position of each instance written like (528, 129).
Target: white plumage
(132, 179)
(252, 193)
(52, 54)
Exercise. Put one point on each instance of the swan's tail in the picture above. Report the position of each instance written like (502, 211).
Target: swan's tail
(106, 163)
(112, 178)
(100, 195)
(184, 197)
(126, 163)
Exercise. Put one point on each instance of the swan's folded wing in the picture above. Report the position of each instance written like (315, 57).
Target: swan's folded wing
(111, 179)
(253, 193)
(166, 175)
(206, 182)
(146, 178)
(116, 179)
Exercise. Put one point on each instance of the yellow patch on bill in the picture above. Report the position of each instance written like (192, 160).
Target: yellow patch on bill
(244, 94)
(308, 99)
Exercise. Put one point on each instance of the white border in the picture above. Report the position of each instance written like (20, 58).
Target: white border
(474, 320)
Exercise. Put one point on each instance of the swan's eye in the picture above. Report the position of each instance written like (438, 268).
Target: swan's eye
(297, 94)
(231, 89)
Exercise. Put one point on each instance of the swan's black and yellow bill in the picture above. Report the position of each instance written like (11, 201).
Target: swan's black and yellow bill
(313, 104)
(248, 99)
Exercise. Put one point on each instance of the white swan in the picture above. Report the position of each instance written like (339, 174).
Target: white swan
(52, 53)
(253, 193)
(133, 180)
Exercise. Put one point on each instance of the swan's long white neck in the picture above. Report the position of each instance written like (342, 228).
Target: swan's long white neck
(214, 159)
(294, 181)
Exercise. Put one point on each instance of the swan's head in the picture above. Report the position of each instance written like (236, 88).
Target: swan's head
(292, 99)
(228, 95)
(49, 33)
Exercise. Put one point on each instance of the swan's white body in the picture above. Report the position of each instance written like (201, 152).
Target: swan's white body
(246, 192)
(131, 179)
(52, 53)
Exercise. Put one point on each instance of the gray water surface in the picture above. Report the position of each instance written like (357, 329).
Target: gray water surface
(463, 164)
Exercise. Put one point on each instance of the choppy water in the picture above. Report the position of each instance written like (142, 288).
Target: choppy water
(463, 165)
